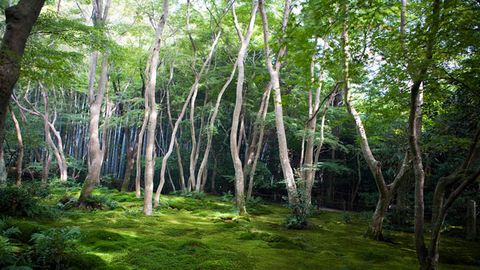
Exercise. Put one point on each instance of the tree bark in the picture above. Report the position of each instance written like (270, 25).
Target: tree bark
(293, 196)
(193, 89)
(19, 161)
(19, 20)
(385, 191)
(151, 79)
(234, 140)
(95, 151)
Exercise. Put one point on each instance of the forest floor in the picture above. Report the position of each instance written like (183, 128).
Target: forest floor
(204, 233)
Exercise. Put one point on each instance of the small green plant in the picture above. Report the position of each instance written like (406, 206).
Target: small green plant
(52, 248)
(7, 252)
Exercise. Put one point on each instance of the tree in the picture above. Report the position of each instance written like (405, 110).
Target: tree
(19, 22)
(96, 152)
(234, 140)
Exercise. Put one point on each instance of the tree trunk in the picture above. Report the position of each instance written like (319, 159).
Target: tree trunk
(3, 169)
(234, 140)
(130, 159)
(177, 147)
(211, 126)
(293, 197)
(151, 79)
(253, 153)
(19, 20)
(193, 89)
(385, 191)
(95, 100)
(95, 152)
(19, 162)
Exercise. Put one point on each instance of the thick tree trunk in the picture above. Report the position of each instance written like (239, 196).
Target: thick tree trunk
(19, 162)
(95, 152)
(19, 20)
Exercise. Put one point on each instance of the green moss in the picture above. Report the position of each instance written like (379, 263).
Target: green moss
(192, 233)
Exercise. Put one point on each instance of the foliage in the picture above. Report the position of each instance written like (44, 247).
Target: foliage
(18, 201)
(52, 248)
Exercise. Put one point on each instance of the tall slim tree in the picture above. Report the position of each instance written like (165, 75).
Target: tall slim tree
(151, 80)
(234, 140)
(95, 99)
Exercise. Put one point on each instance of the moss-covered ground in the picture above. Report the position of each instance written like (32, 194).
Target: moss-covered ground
(189, 233)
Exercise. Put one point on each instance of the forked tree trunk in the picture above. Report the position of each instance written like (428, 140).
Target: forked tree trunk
(385, 191)
(234, 140)
(177, 146)
(151, 79)
(211, 126)
(95, 100)
(95, 151)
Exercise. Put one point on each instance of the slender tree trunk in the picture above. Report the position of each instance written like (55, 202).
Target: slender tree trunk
(385, 191)
(3, 169)
(141, 135)
(211, 126)
(151, 78)
(428, 259)
(193, 89)
(255, 148)
(177, 147)
(293, 197)
(234, 140)
(19, 20)
(95, 100)
(19, 162)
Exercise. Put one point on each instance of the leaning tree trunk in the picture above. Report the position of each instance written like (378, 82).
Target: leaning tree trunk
(193, 89)
(385, 191)
(293, 197)
(19, 20)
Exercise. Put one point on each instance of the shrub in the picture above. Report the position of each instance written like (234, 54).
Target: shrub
(52, 248)
(7, 252)
(17, 201)
(253, 202)
(227, 196)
